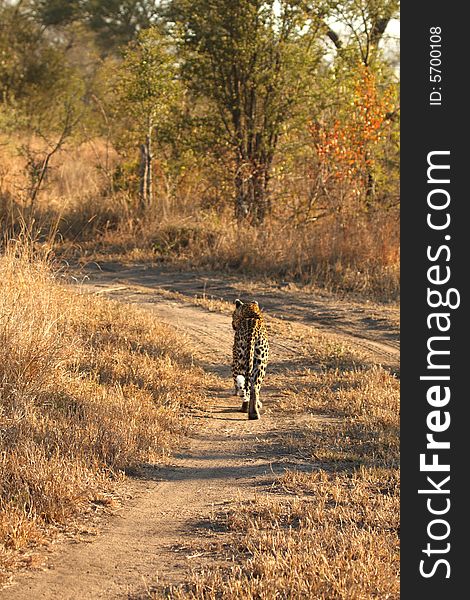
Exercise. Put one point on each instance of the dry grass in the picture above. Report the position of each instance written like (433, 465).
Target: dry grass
(78, 208)
(88, 388)
(360, 256)
(356, 256)
(336, 540)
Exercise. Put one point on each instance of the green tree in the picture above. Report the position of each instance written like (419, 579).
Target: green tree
(28, 60)
(58, 12)
(248, 58)
(115, 22)
(147, 88)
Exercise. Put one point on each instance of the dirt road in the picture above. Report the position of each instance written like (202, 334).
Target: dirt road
(149, 543)
(371, 327)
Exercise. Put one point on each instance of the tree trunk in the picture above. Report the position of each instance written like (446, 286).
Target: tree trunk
(369, 180)
(145, 173)
(242, 200)
(261, 200)
(252, 199)
(143, 165)
(149, 170)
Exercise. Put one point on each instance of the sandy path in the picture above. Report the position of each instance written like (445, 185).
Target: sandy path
(149, 542)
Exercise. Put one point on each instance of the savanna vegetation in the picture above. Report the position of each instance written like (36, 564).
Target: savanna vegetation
(258, 137)
(252, 136)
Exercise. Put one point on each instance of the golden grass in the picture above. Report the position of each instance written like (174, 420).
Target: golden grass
(337, 540)
(88, 389)
(358, 253)
(359, 256)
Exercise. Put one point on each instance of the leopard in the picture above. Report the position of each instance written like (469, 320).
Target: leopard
(250, 355)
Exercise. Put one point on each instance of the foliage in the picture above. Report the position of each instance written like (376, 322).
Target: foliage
(249, 60)
(285, 110)
(146, 86)
(348, 143)
(29, 62)
(146, 91)
(115, 22)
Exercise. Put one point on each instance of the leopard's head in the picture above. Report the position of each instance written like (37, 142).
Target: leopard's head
(245, 310)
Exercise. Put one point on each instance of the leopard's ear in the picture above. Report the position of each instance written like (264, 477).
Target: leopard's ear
(238, 303)
(255, 302)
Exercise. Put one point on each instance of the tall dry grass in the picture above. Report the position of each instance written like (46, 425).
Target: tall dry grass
(89, 219)
(360, 256)
(88, 388)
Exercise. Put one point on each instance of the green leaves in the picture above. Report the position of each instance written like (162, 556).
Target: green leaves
(146, 85)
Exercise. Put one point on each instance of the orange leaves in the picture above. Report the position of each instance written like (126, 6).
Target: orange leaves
(346, 144)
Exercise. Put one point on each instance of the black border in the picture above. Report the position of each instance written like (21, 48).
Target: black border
(427, 128)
